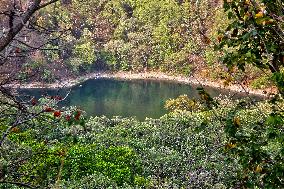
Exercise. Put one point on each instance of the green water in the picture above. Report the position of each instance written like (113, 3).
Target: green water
(139, 98)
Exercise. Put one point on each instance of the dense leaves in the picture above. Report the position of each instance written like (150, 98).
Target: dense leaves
(206, 144)
(181, 149)
(255, 36)
(133, 35)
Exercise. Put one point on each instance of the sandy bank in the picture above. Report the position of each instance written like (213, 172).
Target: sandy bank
(145, 75)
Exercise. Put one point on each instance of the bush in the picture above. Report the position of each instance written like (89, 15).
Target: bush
(181, 149)
(261, 82)
(181, 103)
(120, 163)
(255, 141)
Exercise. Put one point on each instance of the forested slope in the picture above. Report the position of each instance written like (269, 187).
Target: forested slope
(201, 143)
(176, 37)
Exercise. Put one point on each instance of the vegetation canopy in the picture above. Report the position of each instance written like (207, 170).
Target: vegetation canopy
(200, 143)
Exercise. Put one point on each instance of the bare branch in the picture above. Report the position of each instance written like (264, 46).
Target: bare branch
(48, 3)
(37, 48)
(15, 29)
(12, 97)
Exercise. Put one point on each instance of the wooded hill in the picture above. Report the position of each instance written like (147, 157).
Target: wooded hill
(176, 37)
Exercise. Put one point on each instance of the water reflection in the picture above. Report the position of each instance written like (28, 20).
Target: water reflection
(140, 98)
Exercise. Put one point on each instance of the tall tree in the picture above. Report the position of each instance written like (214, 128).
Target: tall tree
(255, 36)
(15, 17)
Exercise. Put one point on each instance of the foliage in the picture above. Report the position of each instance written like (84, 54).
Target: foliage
(261, 82)
(57, 163)
(253, 36)
(194, 149)
(258, 147)
(222, 144)
(133, 35)
(123, 150)
(117, 163)
(85, 51)
(181, 103)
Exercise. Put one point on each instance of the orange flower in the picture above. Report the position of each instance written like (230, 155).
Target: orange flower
(230, 145)
(15, 130)
(259, 14)
(258, 169)
(247, 2)
(219, 38)
(237, 121)
(57, 114)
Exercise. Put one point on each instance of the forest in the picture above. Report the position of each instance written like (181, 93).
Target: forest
(202, 141)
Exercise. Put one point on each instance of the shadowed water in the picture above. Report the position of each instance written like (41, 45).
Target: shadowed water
(139, 98)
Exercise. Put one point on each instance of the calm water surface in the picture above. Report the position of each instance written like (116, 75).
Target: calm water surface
(139, 98)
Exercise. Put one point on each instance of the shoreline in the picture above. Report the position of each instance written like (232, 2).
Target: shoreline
(158, 76)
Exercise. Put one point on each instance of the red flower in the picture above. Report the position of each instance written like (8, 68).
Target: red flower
(77, 115)
(34, 101)
(68, 117)
(17, 50)
(48, 109)
(57, 114)
(57, 97)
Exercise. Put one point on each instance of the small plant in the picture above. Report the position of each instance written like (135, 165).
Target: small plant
(48, 76)
(261, 82)
(23, 76)
(181, 103)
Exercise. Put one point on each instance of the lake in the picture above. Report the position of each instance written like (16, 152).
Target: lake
(139, 98)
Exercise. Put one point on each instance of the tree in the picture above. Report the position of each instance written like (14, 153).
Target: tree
(254, 36)
(16, 17)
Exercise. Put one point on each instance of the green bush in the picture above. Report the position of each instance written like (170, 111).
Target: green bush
(181, 103)
(261, 83)
(120, 163)
(255, 141)
(195, 149)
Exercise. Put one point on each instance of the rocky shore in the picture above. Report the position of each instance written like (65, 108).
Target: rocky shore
(68, 83)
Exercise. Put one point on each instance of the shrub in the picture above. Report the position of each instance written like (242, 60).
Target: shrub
(261, 82)
(120, 163)
(181, 103)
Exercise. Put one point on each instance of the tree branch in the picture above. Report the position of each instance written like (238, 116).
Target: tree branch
(37, 48)
(48, 3)
(15, 29)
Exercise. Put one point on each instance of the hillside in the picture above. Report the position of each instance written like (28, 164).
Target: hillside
(200, 141)
(177, 38)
